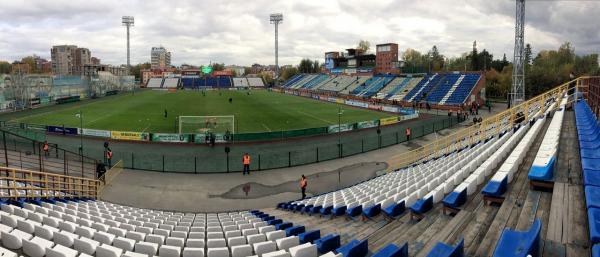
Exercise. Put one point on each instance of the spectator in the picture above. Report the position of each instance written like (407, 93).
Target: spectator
(407, 133)
(46, 148)
(100, 170)
(303, 184)
(246, 162)
(109, 155)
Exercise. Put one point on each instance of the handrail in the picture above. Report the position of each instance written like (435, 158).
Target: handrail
(477, 132)
(110, 175)
(18, 183)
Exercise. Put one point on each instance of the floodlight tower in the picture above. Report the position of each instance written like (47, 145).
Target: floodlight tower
(276, 18)
(128, 22)
(518, 77)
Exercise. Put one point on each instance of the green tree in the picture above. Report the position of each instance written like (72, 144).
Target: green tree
(306, 66)
(528, 53)
(136, 69)
(436, 60)
(288, 72)
(364, 46)
(30, 60)
(218, 66)
(316, 67)
(474, 57)
(5, 67)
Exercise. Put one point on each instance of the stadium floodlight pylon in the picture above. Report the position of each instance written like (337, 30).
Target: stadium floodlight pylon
(276, 19)
(206, 124)
(517, 94)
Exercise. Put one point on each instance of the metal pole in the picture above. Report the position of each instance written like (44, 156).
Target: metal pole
(4, 145)
(128, 54)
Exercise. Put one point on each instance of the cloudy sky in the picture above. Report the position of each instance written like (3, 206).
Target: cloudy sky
(238, 31)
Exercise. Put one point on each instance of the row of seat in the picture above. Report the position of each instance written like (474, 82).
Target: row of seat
(588, 131)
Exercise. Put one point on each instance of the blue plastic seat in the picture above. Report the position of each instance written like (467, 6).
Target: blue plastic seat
(495, 188)
(392, 250)
(326, 210)
(591, 177)
(519, 244)
(394, 210)
(372, 211)
(592, 196)
(328, 243)
(354, 211)
(354, 248)
(307, 208)
(274, 222)
(594, 224)
(596, 250)
(543, 173)
(590, 153)
(294, 231)
(309, 236)
(339, 211)
(422, 205)
(455, 199)
(283, 226)
(443, 250)
(298, 207)
(591, 164)
(316, 209)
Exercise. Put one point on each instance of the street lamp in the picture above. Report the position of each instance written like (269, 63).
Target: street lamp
(340, 112)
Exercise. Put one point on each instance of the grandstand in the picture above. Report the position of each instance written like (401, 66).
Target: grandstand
(155, 83)
(240, 82)
(256, 82)
(171, 83)
(402, 92)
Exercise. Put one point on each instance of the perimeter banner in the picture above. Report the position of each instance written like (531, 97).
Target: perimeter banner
(61, 130)
(171, 138)
(388, 121)
(341, 128)
(126, 135)
(367, 124)
(95, 132)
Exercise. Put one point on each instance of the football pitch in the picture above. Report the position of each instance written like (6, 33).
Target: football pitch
(257, 111)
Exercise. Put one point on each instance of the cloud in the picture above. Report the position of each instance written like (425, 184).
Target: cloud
(238, 31)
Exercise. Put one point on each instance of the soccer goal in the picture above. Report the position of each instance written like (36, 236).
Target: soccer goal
(203, 124)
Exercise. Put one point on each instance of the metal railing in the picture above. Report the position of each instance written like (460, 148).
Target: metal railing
(18, 184)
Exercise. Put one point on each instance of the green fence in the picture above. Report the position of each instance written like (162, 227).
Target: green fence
(275, 154)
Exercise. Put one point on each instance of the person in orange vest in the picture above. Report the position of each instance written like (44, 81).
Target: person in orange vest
(46, 149)
(303, 184)
(246, 162)
(407, 134)
(109, 155)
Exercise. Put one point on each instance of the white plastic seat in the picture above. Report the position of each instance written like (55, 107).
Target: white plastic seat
(214, 235)
(124, 243)
(137, 236)
(287, 242)
(175, 241)
(238, 240)
(85, 232)
(216, 243)
(162, 232)
(280, 253)
(103, 237)
(105, 250)
(169, 251)
(64, 238)
(274, 235)
(304, 250)
(85, 245)
(36, 247)
(27, 226)
(232, 233)
(196, 235)
(195, 243)
(241, 250)
(146, 248)
(157, 239)
(217, 252)
(264, 247)
(193, 252)
(132, 254)
(180, 234)
(14, 239)
(60, 251)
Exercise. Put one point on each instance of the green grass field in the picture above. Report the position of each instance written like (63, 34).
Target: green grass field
(261, 111)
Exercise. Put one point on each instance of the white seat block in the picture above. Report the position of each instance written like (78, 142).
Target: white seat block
(14, 239)
(146, 248)
(264, 247)
(256, 238)
(64, 238)
(104, 237)
(132, 254)
(60, 251)
(175, 241)
(280, 253)
(124, 243)
(85, 245)
(169, 251)
(157, 239)
(241, 250)
(287, 242)
(274, 235)
(108, 251)
(195, 243)
(304, 250)
(216, 243)
(193, 252)
(217, 252)
(36, 247)
(137, 236)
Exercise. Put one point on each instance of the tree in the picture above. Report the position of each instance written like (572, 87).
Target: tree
(136, 69)
(288, 72)
(218, 66)
(30, 60)
(316, 66)
(436, 60)
(305, 66)
(474, 57)
(5, 67)
(364, 46)
(528, 54)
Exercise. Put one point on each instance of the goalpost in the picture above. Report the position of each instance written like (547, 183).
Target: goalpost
(207, 124)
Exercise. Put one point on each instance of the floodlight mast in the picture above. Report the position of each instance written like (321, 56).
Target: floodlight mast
(128, 21)
(518, 78)
(276, 19)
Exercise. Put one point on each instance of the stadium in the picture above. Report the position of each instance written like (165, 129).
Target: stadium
(382, 154)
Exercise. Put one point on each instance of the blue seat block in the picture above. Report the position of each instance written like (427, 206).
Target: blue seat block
(543, 173)
(309, 236)
(519, 244)
(254, 211)
(372, 211)
(339, 211)
(281, 205)
(592, 196)
(422, 205)
(589, 145)
(354, 248)
(326, 210)
(354, 211)
(596, 250)
(455, 199)
(275, 222)
(264, 215)
(307, 208)
(299, 207)
(594, 224)
(268, 218)
(316, 209)
(392, 250)
(589, 153)
(591, 177)
(328, 243)
(443, 250)
(394, 210)
(590, 164)
(494, 188)
(284, 225)
(294, 231)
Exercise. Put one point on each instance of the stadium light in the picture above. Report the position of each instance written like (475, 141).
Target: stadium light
(276, 19)
(128, 21)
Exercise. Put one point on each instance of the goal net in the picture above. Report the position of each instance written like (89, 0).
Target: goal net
(204, 124)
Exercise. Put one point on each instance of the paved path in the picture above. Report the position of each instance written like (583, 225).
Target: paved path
(226, 192)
